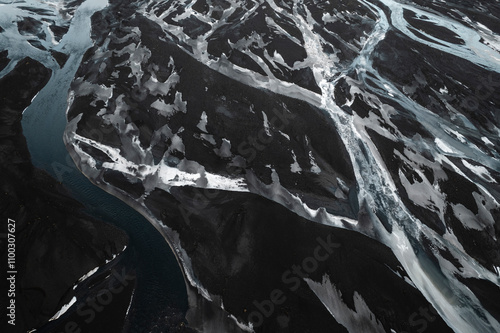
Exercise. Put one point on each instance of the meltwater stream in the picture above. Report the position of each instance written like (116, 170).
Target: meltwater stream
(456, 304)
(160, 284)
(44, 123)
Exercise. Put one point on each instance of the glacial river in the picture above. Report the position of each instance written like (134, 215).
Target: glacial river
(160, 283)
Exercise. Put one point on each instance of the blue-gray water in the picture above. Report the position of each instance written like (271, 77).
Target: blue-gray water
(160, 283)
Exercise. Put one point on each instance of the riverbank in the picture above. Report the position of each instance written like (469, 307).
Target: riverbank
(56, 242)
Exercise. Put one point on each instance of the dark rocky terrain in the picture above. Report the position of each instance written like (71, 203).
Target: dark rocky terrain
(251, 132)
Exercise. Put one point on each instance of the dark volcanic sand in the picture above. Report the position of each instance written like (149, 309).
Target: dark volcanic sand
(241, 245)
